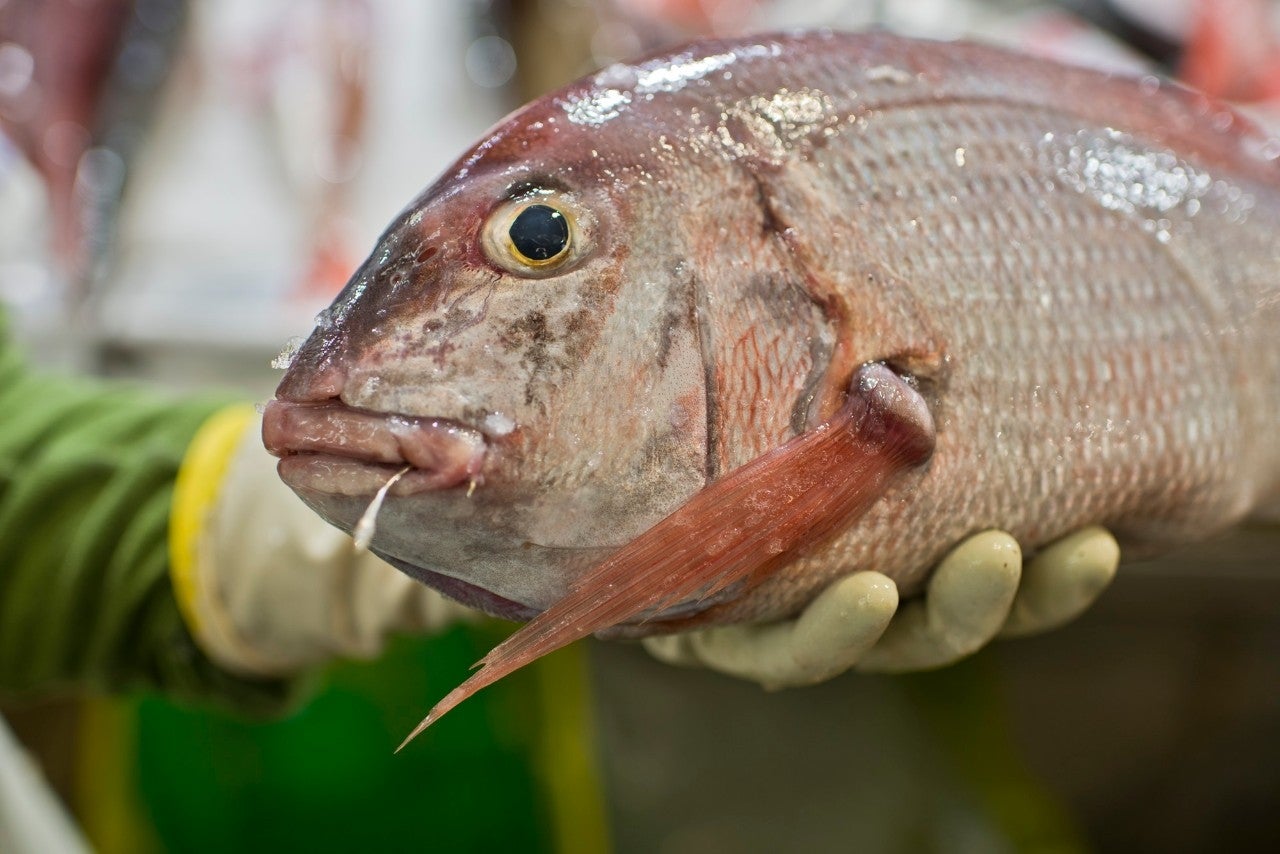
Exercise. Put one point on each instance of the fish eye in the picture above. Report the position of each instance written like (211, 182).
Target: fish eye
(537, 234)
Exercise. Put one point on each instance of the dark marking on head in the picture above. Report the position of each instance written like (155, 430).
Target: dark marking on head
(529, 331)
(581, 331)
(532, 334)
(451, 320)
(440, 353)
(771, 223)
(680, 313)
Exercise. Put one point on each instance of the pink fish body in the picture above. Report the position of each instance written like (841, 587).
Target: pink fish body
(1077, 275)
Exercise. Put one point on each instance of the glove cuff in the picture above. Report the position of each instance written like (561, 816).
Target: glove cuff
(266, 586)
(200, 480)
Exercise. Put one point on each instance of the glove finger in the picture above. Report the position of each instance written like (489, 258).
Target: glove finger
(672, 649)
(752, 652)
(839, 627)
(835, 631)
(964, 606)
(760, 653)
(1062, 581)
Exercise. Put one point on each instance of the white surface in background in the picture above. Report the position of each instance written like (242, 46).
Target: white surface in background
(23, 212)
(213, 235)
(32, 819)
(1040, 29)
(939, 19)
(1170, 19)
(32, 294)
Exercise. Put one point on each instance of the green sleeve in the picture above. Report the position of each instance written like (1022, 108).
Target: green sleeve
(86, 479)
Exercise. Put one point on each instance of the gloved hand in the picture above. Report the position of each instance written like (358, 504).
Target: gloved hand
(979, 591)
(265, 585)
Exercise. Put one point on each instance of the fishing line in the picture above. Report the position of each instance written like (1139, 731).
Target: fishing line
(368, 524)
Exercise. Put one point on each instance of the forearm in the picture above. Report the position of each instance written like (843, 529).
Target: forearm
(86, 484)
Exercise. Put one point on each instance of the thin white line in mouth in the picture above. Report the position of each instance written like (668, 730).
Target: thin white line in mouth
(362, 535)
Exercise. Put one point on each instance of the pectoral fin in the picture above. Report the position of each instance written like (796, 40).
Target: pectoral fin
(740, 528)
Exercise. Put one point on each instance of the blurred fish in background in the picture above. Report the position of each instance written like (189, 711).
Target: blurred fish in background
(59, 61)
(185, 183)
(78, 82)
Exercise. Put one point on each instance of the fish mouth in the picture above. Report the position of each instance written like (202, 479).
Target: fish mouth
(334, 448)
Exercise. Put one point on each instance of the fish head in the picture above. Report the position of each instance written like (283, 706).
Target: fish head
(525, 339)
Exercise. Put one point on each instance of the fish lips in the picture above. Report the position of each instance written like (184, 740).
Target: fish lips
(329, 447)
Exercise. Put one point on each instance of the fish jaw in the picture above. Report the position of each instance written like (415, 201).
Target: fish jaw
(336, 457)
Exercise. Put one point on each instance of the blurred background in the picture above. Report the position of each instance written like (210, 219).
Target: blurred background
(184, 184)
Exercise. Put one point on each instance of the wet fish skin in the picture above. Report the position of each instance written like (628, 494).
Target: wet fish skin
(1082, 272)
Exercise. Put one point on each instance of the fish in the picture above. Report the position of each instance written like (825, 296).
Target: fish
(77, 82)
(682, 343)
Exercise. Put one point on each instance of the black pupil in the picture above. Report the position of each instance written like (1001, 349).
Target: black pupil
(539, 233)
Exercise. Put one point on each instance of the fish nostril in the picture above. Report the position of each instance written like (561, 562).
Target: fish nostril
(426, 254)
(312, 386)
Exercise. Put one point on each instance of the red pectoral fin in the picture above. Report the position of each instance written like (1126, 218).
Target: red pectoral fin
(740, 528)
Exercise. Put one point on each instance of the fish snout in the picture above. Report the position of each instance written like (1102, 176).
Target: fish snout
(327, 446)
(313, 385)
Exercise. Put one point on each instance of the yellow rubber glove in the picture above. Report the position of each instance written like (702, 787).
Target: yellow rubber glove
(979, 591)
(266, 586)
